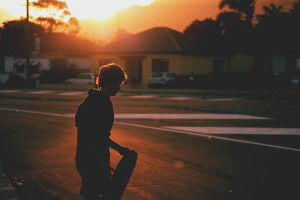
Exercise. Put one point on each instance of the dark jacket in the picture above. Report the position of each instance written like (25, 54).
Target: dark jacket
(94, 119)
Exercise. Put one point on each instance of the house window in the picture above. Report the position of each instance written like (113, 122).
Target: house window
(298, 64)
(2, 65)
(218, 65)
(105, 61)
(269, 65)
(160, 65)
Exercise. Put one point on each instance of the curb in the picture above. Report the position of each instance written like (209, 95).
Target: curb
(7, 192)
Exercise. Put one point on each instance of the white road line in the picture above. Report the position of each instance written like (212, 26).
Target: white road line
(71, 93)
(212, 136)
(238, 130)
(184, 116)
(179, 98)
(9, 91)
(165, 129)
(142, 96)
(187, 116)
(221, 99)
(41, 92)
(37, 112)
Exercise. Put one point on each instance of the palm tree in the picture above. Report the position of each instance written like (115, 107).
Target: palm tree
(206, 29)
(271, 12)
(296, 8)
(239, 10)
(235, 20)
(276, 30)
(228, 19)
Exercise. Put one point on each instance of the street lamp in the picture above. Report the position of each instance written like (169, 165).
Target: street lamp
(27, 41)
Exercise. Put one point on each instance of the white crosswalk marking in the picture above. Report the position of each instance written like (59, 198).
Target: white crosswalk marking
(179, 98)
(183, 116)
(41, 92)
(238, 130)
(142, 96)
(222, 99)
(9, 91)
(176, 129)
(186, 116)
(72, 93)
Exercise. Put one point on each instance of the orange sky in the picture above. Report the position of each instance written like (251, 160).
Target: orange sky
(176, 14)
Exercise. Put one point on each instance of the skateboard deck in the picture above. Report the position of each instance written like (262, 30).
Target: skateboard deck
(122, 175)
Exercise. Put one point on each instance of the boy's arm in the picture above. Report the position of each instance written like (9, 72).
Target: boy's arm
(117, 147)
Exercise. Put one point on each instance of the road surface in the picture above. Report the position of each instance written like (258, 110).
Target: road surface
(189, 147)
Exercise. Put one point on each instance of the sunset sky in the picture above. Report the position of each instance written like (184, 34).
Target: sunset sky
(99, 21)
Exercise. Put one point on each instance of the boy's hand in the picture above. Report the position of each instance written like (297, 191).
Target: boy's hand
(124, 151)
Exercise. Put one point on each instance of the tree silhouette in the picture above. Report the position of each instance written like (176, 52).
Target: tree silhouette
(235, 20)
(278, 31)
(208, 32)
(296, 8)
(295, 11)
(52, 7)
(271, 12)
(12, 37)
(236, 11)
(293, 23)
(206, 29)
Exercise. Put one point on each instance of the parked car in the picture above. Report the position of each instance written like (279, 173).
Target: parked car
(4, 78)
(162, 79)
(85, 78)
(295, 80)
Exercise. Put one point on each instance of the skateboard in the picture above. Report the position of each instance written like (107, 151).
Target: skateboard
(122, 175)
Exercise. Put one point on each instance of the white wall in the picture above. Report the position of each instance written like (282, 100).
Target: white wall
(4, 78)
(44, 64)
(241, 63)
(278, 64)
(81, 63)
(8, 64)
(298, 64)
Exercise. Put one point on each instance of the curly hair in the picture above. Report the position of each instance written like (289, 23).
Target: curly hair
(110, 74)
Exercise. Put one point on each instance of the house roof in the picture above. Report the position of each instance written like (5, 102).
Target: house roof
(63, 44)
(155, 40)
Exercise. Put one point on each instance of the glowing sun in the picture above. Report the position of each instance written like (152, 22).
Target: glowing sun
(101, 9)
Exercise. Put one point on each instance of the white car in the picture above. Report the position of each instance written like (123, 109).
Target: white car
(161, 79)
(85, 78)
(295, 80)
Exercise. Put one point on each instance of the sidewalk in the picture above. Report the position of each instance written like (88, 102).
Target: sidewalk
(7, 192)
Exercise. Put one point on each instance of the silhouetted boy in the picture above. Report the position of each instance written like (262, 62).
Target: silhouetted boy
(94, 120)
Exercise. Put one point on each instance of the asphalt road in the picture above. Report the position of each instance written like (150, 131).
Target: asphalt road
(192, 148)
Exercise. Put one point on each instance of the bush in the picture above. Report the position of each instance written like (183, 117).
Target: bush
(16, 81)
(232, 80)
(58, 74)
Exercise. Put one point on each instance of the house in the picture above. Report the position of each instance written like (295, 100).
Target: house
(51, 50)
(159, 49)
(277, 64)
(162, 49)
(66, 51)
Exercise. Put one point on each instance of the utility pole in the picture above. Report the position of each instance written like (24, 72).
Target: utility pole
(27, 39)
(118, 22)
